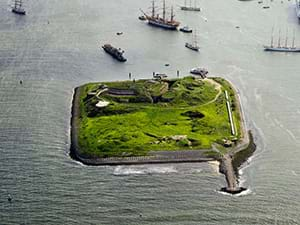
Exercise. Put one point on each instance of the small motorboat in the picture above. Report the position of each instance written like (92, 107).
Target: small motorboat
(186, 29)
(193, 47)
(159, 76)
(199, 71)
(142, 18)
(119, 33)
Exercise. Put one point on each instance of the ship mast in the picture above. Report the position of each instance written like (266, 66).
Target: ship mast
(164, 10)
(293, 44)
(172, 14)
(286, 38)
(153, 9)
(272, 37)
(18, 3)
(279, 38)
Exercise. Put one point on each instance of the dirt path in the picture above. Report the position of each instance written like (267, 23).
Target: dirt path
(218, 87)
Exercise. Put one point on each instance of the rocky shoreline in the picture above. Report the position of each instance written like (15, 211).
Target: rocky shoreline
(229, 163)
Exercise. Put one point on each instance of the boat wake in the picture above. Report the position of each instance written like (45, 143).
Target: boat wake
(143, 170)
(243, 193)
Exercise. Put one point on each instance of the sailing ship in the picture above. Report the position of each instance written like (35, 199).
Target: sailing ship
(190, 7)
(158, 21)
(279, 47)
(298, 8)
(17, 7)
(194, 45)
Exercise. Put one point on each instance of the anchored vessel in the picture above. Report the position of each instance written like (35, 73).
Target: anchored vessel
(190, 7)
(158, 21)
(186, 29)
(17, 8)
(298, 8)
(117, 53)
(202, 72)
(194, 45)
(279, 47)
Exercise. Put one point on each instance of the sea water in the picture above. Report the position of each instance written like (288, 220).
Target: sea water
(57, 46)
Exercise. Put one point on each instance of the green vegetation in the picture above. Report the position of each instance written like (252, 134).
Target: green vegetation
(148, 115)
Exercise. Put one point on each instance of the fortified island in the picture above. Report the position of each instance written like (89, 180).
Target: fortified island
(161, 120)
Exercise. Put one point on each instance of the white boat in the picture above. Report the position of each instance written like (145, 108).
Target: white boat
(186, 29)
(17, 7)
(298, 8)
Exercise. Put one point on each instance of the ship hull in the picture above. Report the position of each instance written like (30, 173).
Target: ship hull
(185, 31)
(19, 11)
(194, 48)
(190, 8)
(272, 49)
(162, 25)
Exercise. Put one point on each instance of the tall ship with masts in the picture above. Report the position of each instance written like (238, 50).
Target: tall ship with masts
(194, 44)
(280, 47)
(298, 8)
(18, 7)
(190, 7)
(161, 21)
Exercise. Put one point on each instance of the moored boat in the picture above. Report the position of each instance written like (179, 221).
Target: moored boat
(194, 44)
(190, 7)
(199, 71)
(279, 47)
(17, 8)
(158, 21)
(117, 53)
(186, 29)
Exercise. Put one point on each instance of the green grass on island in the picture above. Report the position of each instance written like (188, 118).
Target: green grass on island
(154, 115)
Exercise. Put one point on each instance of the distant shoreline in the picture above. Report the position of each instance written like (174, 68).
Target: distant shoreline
(229, 163)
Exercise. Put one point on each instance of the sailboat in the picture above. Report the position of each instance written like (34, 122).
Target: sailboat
(280, 48)
(194, 45)
(190, 7)
(17, 7)
(158, 21)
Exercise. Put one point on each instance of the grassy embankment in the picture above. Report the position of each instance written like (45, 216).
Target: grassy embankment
(152, 119)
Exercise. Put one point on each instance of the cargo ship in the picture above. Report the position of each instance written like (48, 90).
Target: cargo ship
(17, 8)
(117, 53)
(158, 21)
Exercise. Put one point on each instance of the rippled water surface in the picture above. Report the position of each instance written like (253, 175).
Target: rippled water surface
(55, 48)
